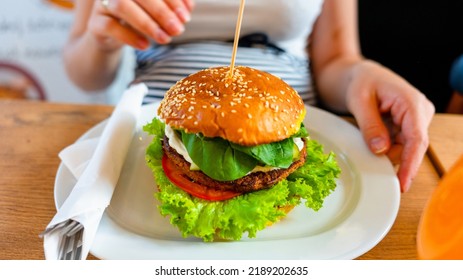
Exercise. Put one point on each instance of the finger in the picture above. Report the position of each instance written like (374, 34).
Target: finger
(414, 136)
(375, 133)
(135, 16)
(415, 146)
(106, 28)
(397, 145)
(163, 15)
(190, 4)
(395, 153)
(180, 8)
(412, 157)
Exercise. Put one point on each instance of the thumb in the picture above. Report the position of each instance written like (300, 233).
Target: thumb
(373, 129)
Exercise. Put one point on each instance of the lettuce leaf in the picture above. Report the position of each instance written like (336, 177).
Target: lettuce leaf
(156, 128)
(215, 155)
(217, 158)
(279, 154)
(248, 213)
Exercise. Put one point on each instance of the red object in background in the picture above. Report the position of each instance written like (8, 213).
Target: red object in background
(65, 4)
(18, 83)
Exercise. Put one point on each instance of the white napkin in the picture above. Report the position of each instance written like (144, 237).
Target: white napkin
(98, 177)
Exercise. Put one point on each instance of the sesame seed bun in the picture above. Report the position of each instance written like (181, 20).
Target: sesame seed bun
(250, 108)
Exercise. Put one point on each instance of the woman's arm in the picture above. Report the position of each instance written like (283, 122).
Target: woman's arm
(93, 51)
(372, 93)
(88, 64)
(334, 47)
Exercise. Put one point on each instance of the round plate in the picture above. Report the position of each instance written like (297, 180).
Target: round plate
(354, 218)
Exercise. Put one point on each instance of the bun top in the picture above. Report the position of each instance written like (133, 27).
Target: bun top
(250, 108)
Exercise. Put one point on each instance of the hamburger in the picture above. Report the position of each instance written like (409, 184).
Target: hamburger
(231, 156)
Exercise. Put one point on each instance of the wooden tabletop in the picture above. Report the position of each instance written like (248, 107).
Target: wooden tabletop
(446, 141)
(32, 134)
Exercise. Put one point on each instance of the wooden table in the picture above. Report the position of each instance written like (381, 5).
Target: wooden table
(32, 134)
(446, 141)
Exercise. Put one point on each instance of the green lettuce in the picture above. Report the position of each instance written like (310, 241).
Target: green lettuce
(248, 213)
(226, 161)
(217, 158)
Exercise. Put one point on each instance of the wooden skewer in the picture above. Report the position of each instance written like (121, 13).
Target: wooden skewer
(237, 37)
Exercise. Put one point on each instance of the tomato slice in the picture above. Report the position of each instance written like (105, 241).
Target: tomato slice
(179, 179)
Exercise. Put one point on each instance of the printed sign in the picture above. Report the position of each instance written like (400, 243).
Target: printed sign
(32, 35)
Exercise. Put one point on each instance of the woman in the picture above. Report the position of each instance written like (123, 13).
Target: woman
(345, 81)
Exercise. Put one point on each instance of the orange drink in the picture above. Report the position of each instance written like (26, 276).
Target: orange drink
(440, 231)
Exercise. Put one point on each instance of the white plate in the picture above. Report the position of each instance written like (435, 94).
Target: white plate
(353, 219)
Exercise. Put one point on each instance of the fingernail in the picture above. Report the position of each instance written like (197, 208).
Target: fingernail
(406, 186)
(162, 37)
(183, 14)
(175, 27)
(378, 145)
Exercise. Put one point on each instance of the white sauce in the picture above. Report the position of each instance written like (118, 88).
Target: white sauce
(176, 143)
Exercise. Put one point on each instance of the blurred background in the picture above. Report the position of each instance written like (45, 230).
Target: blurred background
(417, 39)
(32, 34)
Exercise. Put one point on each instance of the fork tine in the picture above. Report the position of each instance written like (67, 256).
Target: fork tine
(74, 233)
(68, 253)
(64, 248)
(70, 226)
(70, 244)
(77, 247)
(79, 252)
(75, 229)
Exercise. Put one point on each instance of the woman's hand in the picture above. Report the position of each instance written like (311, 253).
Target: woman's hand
(393, 116)
(134, 22)
(101, 28)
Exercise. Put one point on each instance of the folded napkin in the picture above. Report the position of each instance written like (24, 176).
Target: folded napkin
(96, 178)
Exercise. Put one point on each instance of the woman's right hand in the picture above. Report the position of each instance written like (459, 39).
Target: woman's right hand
(136, 22)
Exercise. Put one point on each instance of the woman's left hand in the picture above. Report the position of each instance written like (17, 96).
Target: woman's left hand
(392, 115)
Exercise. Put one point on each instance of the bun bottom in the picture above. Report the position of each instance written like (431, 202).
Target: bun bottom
(286, 209)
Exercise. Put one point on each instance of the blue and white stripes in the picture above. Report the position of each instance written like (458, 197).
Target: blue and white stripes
(162, 66)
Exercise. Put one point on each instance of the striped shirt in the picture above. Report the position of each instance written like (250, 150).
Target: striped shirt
(160, 67)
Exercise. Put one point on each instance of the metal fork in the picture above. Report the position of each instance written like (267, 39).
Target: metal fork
(71, 232)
